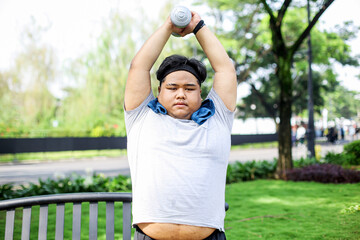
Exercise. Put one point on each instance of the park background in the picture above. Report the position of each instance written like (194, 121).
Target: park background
(64, 64)
(62, 72)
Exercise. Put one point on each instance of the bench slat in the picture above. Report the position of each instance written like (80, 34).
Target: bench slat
(109, 220)
(26, 221)
(60, 218)
(127, 220)
(9, 227)
(43, 222)
(76, 230)
(93, 220)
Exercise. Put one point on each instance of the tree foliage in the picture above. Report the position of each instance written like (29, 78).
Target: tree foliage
(96, 104)
(249, 44)
(342, 103)
(267, 42)
(25, 98)
(93, 102)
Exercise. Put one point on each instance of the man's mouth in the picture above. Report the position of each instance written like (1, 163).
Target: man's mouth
(180, 104)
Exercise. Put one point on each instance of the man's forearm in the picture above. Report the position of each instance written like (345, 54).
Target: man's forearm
(138, 84)
(214, 50)
(225, 83)
(150, 51)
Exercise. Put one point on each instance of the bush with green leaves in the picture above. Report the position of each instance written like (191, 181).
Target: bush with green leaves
(245, 171)
(72, 184)
(6, 191)
(352, 150)
(349, 157)
(337, 158)
(303, 162)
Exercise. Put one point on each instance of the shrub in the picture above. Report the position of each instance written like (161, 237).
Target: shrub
(245, 171)
(6, 191)
(119, 183)
(350, 156)
(75, 183)
(352, 150)
(337, 158)
(303, 162)
(324, 173)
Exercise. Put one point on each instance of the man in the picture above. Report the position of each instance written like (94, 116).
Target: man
(178, 146)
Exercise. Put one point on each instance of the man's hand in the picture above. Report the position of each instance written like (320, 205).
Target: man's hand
(195, 19)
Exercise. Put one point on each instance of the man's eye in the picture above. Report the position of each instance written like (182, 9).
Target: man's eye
(190, 89)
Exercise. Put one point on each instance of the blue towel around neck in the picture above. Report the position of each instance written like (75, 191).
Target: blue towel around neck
(206, 110)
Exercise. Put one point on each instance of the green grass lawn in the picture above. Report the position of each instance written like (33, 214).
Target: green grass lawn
(263, 209)
(267, 209)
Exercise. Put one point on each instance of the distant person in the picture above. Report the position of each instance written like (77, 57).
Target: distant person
(342, 133)
(179, 145)
(300, 134)
(357, 131)
(352, 132)
(332, 135)
(326, 132)
(293, 135)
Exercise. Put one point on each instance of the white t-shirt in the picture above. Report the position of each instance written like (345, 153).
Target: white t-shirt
(178, 168)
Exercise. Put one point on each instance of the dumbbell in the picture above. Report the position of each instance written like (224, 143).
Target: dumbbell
(180, 16)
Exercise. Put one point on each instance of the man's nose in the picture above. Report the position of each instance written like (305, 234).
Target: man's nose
(180, 93)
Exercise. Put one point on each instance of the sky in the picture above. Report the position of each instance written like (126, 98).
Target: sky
(75, 24)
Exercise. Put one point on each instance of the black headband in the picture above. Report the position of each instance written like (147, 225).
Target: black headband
(183, 67)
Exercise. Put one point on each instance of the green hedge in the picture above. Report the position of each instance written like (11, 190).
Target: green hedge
(349, 157)
(352, 150)
(245, 171)
(75, 183)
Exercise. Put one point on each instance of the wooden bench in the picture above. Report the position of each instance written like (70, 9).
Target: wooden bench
(60, 199)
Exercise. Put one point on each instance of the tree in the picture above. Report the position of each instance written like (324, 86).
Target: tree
(26, 100)
(272, 55)
(342, 103)
(284, 55)
(95, 105)
(327, 49)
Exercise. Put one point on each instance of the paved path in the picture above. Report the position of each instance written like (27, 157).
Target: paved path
(31, 171)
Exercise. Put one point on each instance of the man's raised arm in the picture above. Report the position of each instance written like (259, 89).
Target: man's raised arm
(225, 83)
(138, 84)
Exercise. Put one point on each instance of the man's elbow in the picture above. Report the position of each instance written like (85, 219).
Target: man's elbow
(134, 64)
(232, 70)
(227, 67)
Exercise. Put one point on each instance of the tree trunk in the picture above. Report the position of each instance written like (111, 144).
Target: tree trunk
(284, 56)
(285, 143)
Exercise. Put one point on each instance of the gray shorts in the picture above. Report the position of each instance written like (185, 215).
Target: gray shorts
(216, 235)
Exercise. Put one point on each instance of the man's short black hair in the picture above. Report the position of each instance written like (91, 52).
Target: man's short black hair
(177, 63)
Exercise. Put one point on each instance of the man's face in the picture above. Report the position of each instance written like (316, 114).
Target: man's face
(180, 94)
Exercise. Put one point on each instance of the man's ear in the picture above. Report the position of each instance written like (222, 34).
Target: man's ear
(159, 89)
